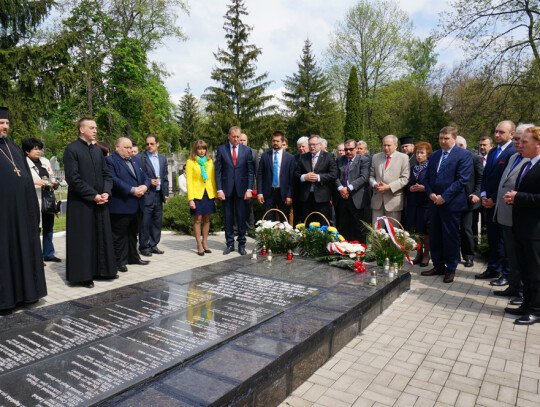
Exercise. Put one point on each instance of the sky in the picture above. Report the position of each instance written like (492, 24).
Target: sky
(280, 28)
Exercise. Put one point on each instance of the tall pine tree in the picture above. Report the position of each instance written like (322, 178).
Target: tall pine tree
(308, 98)
(239, 98)
(189, 119)
(353, 116)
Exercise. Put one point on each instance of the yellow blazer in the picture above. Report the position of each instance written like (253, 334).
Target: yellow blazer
(195, 183)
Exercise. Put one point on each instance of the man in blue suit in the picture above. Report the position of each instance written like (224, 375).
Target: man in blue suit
(235, 173)
(130, 183)
(155, 167)
(448, 173)
(497, 159)
(275, 177)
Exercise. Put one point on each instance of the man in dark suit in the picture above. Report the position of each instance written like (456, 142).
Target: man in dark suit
(497, 160)
(250, 218)
(526, 227)
(317, 172)
(130, 183)
(473, 199)
(155, 167)
(353, 198)
(234, 180)
(448, 172)
(298, 208)
(275, 177)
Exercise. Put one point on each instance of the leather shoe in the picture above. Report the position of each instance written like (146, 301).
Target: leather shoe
(499, 282)
(516, 301)
(527, 319)
(515, 311)
(449, 278)
(508, 292)
(228, 250)
(88, 284)
(4, 312)
(487, 274)
(146, 253)
(139, 261)
(157, 251)
(207, 251)
(123, 268)
(55, 259)
(469, 263)
(432, 272)
(242, 250)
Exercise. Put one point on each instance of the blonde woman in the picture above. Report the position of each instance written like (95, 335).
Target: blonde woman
(201, 192)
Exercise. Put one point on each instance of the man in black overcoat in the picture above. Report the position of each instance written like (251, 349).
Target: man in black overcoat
(89, 242)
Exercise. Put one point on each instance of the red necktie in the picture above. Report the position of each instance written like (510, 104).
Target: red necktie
(484, 160)
(387, 162)
(234, 155)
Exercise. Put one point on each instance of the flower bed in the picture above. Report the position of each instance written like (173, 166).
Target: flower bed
(276, 236)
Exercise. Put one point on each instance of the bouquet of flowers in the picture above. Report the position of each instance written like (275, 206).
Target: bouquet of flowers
(276, 236)
(315, 238)
(351, 249)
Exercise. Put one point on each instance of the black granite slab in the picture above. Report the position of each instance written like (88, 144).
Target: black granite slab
(18, 320)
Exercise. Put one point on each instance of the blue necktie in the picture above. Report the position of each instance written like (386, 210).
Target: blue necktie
(444, 155)
(516, 163)
(275, 181)
(497, 153)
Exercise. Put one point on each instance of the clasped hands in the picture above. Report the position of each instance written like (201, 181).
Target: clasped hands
(437, 199)
(487, 202)
(140, 190)
(311, 177)
(509, 197)
(101, 199)
(381, 187)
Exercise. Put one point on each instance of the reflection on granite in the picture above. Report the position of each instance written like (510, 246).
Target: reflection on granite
(311, 311)
(274, 394)
(261, 344)
(151, 285)
(149, 397)
(292, 328)
(196, 385)
(57, 310)
(18, 320)
(188, 276)
(233, 364)
(107, 297)
(342, 336)
(303, 369)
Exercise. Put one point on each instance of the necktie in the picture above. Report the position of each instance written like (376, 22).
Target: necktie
(275, 181)
(130, 165)
(484, 161)
(496, 154)
(234, 155)
(516, 163)
(444, 155)
(525, 171)
(345, 180)
(387, 162)
(313, 162)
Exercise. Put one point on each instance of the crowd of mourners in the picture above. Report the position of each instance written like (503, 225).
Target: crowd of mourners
(115, 202)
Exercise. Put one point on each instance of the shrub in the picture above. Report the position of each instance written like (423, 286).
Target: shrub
(176, 216)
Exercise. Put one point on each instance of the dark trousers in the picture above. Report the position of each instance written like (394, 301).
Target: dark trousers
(479, 216)
(274, 200)
(348, 220)
(311, 206)
(234, 205)
(250, 218)
(47, 223)
(514, 276)
(124, 230)
(150, 228)
(466, 234)
(497, 260)
(443, 229)
(528, 255)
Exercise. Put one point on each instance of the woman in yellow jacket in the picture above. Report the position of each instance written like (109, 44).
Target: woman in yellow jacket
(201, 192)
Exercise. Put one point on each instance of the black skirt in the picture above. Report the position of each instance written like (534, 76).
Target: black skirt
(204, 206)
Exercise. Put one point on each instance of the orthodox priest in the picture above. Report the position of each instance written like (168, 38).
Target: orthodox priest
(89, 243)
(22, 279)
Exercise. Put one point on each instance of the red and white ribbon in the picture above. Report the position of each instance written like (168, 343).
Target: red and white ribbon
(392, 233)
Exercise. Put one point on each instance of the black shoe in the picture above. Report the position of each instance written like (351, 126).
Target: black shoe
(88, 284)
(146, 253)
(499, 282)
(55, 259)
(516, 301)
(207, 251)
(200, 253)
(140, 262)
(469, 263)
(157, 251)
(515, 311)
(228, 250)
(527, 319)
(487, 274)
(4, 312)
(242, 250)
(509, 292)
(123, 268)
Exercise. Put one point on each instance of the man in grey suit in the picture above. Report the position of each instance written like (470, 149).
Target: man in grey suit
(503, 215)
(388, 177)
(353, 192)
(250, 219)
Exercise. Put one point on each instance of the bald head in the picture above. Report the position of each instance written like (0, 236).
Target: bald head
(123, 147)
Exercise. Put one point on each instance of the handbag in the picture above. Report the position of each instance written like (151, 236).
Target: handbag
(49, 204)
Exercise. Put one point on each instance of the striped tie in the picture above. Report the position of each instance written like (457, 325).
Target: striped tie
(444, 155)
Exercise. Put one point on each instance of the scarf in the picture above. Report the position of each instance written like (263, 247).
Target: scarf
(418, 168)
(203, 162)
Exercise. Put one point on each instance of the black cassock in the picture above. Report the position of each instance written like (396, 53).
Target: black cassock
(89, 242)
(22, 279)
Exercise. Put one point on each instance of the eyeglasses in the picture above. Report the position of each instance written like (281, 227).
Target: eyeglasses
(313, 145)
(349, 149)
(150, 144)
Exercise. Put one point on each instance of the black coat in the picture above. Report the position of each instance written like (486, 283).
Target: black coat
(358, 178)
(89, 242)
(475, 181)
(326, 168)
(526, 209)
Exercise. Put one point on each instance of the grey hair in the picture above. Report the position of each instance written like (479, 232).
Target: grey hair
(324, 143)
(523, 126)
(319, 138)
(341, 145)
(302, 140)
(461, 140)
(234, 128)
(361, 143)
(394, 138)
(119, 141)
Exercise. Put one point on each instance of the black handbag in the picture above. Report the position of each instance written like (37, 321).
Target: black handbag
(49, 204)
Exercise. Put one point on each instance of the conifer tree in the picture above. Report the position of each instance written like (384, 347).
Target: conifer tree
(239, 97)
(189, 119)
(353, 112)
(309, 102)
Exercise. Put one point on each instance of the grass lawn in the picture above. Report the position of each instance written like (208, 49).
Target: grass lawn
(59, 223)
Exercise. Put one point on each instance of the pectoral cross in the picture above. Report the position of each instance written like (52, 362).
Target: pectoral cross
(17, 171)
